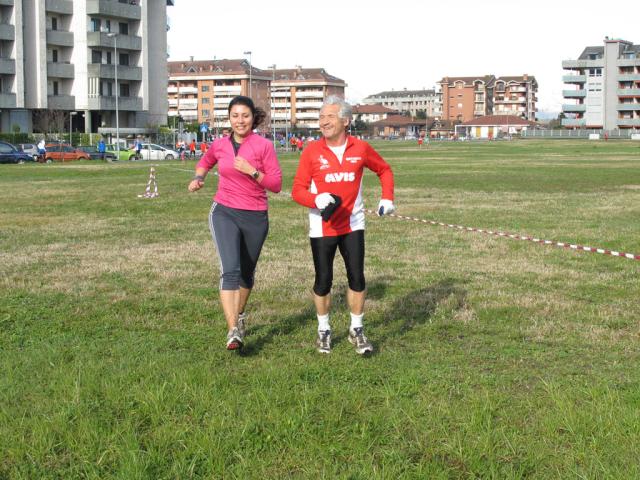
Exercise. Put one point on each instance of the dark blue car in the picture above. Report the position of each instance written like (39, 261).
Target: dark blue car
(10, 154)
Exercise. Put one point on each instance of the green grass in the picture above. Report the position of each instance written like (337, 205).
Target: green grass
(495, 358)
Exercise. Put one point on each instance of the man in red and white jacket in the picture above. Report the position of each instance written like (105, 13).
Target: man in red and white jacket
(334, 167)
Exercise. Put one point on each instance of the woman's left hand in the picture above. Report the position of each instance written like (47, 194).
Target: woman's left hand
(243, 166)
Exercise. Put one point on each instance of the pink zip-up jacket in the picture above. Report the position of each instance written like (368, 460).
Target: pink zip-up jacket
(239, 190)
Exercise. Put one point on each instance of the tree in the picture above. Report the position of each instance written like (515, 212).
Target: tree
(421, 114)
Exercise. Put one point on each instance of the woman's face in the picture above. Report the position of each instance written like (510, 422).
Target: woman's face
(241, 120)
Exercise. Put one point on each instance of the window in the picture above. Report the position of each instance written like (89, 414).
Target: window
(54, 56)
(595, 72)
(205, 113)
(95, 24)
(205, 100)
(54, 23)
(56, 90)
(124, 59)
(123, 28)
(124, 89)
(110, 89)
(108, 57)
(96, 56)
(4, 148)
(205, 88)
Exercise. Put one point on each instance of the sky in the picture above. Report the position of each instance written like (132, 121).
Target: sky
(378, 45)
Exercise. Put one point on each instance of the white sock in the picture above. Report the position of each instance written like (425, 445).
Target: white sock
(323, 322)
(356, 321)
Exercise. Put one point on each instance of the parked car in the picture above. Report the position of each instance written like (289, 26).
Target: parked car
(29, 148)
(92, 151)
(10, 154)
(151, 151)
(124, 153)
(59, 152)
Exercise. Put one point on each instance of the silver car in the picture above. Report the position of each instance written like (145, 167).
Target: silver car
(29, 148)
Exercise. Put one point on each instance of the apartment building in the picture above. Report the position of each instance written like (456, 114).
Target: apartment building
(466, 98)
(297, 95)
(200, 91)
(408, 101)
(63, 56)
(603, 87)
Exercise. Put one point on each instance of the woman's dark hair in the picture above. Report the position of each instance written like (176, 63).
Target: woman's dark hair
(258, 114)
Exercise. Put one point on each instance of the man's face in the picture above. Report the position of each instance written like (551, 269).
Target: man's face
(331, 125)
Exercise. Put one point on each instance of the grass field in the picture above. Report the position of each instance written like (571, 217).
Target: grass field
(495, 358)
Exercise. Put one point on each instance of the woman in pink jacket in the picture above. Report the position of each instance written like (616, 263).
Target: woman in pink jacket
(238, 220)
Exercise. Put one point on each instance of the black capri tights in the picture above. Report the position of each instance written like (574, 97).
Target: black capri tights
(351, 248)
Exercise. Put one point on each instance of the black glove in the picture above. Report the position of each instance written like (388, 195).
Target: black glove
(329, 209)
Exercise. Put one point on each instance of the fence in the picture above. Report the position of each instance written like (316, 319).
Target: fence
(569, 134)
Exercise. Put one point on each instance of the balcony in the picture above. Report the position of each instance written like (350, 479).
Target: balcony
(305, 104)
(574, 93)
(61, 102)
(308, 115)
(629, 77)
(64, 7)
(60, 70)
(7, 32)
(573, 122)
(109, 103)
(108, 71)
(112, 8)
(628, 92)
(172, 89)
(310, 94)
(7, 100)
(280, 94)
(125, 42)
(236, 89)
(59, 38)
(574, 108)
(628, 107)
(628, 122)
(7, 66)
(574, 78)
(192, 90)
(628, 62)
(575, 64)
(6, 3)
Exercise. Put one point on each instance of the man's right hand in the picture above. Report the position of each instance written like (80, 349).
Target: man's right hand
(324, 199)
(195, 185)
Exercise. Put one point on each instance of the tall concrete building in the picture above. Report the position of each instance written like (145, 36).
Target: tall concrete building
(62, 56)
(604, 87)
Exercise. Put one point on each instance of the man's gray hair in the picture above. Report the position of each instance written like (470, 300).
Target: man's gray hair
(345, 109)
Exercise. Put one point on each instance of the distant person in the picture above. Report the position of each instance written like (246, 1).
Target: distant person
(420, 142)
(329, 182)
(138, 148)
(238, 220)
(41, 149)
(192, 149)
(300, 144)
(203, 148)
(102, 148)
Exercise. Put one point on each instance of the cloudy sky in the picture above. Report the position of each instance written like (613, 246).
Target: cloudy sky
(377, 45)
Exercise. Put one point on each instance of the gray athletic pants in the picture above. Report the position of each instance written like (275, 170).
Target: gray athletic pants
(238, 236)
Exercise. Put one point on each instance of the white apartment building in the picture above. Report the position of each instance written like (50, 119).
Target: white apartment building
(604, 87)
(297, 95)
(64, 56)
(411, 101)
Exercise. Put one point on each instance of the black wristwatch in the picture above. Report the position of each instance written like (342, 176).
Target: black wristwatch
(255, 175)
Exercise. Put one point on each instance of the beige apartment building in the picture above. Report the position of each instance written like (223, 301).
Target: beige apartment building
(62, 57)
(466, 98)
(200, 91)
(297, 95)
(408, 101)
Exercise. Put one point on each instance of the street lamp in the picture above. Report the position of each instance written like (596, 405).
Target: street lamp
(71, 114)
(248, 52)
(115, 54)
(273, 124)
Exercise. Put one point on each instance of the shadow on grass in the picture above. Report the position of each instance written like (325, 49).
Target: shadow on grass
(417, 308)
